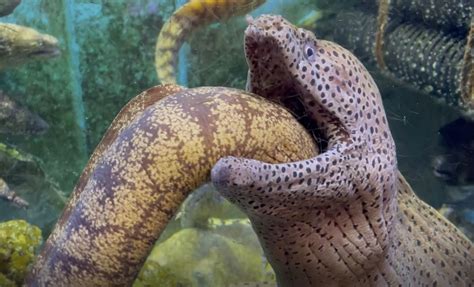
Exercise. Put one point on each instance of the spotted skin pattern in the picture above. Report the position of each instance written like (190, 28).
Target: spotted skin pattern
(160, 147)
(346, 217)
(184, 21)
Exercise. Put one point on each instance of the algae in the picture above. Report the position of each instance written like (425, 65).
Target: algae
(152, 274)
(5, 282)
(18, 241)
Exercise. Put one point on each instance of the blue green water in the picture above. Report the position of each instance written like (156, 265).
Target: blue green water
(107, 57)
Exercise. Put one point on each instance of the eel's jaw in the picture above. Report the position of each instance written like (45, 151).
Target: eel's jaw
(273, 74)
(45, 46)
(267, 77)
(270, 78)
(46, 53)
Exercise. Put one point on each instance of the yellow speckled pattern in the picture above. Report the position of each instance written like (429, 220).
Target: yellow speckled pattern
(153, 155)
(184, 21)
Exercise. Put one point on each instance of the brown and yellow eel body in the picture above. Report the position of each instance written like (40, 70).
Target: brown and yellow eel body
(159, 148)
(19, 44)
(188, 18)
(346, 217)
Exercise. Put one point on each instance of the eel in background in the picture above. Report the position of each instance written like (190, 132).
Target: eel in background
(16, 119)
(159, 148)
(185, 20)
(346, 217)
(7, 6)
(19, 44)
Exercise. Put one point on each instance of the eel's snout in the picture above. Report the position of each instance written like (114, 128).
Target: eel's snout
(47, 46)
(267, 22)
(263, 28)
(230, 174)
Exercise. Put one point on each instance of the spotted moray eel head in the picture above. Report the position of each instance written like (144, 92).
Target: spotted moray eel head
(332, 85)
(327, 86)
(326, 220)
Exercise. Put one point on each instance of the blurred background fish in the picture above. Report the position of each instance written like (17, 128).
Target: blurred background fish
(18, 120)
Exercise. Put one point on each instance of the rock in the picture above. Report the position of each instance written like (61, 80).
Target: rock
(196, 257)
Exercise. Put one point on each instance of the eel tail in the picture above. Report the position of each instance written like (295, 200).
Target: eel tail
(187, 19)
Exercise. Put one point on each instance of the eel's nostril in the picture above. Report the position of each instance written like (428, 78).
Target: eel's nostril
(221, 174)
(231, 172)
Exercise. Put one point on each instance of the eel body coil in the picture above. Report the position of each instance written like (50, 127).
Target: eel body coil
(160, 147)
(447, 15)
(432, 61)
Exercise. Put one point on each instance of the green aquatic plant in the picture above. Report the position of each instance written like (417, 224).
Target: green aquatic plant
(5, 282)
(152, 273)
(18, 241)
(14, 153)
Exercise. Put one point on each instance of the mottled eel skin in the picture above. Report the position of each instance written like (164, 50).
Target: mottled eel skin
(346, 217)
(159, 148)
(188, 18)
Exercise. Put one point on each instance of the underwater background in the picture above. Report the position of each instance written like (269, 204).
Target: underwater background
(107, 54)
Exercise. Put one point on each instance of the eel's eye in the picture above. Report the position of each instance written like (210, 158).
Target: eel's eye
(309, 53)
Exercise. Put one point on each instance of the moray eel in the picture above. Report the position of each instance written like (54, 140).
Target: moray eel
(18, 120)
(7, 6)
(346, 217)
(192, 15)
(159, 148)
(20, 44)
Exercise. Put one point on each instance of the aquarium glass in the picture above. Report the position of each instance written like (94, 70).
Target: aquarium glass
(67, 67)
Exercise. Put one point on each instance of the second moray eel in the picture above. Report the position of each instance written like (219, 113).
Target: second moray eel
(153, 155)
(188, 18)
(7, 6)
(346, 217)
(19, 44)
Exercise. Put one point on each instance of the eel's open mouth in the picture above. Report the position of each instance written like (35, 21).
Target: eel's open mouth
(46, 52)
(271, 79)
(294, 103)
(44, 46)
